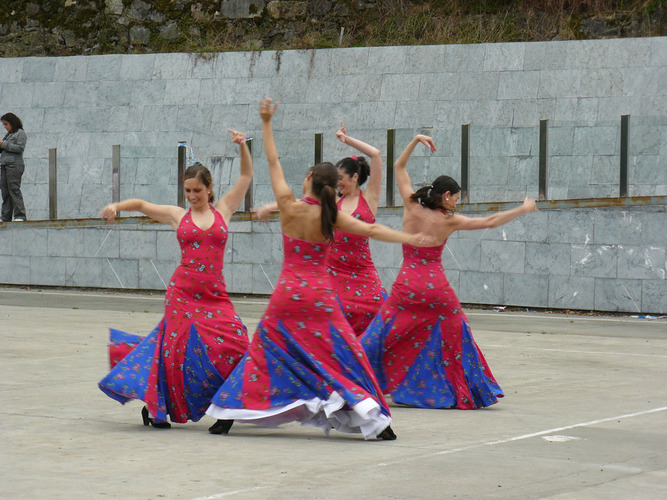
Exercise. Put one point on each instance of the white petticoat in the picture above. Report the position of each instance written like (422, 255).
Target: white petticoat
(364, 417)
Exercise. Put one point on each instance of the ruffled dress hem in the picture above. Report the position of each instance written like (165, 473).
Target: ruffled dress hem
(364, 417)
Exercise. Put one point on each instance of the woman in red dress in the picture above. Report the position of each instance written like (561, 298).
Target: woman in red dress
(304, 362)
(353, 274)
(420, 344)
(178, 367)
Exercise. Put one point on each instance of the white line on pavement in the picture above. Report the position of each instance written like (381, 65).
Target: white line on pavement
(227, 493)
(574, 351)
(525, 436)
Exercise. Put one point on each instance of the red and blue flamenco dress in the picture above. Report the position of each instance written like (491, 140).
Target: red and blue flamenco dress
(353, 274)
(305, 362)
(177, 369)
(420, 344)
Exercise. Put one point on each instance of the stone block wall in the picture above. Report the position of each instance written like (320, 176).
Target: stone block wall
(603, 259)
(608, 259)
(148, 103)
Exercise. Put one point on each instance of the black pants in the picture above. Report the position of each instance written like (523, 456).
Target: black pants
(10, 186)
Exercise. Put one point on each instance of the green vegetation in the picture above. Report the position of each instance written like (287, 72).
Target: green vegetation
(65, 27)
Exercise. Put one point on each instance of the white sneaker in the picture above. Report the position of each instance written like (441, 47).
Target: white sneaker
(19, 220)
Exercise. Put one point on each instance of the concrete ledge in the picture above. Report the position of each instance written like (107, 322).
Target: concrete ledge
(605, 254)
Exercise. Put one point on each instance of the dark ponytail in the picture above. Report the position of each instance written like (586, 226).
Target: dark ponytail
(329, 211)
(355, 165)
(431, 196)
(325, 178)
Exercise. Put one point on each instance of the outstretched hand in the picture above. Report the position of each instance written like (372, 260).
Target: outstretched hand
(262, 213)
(426, 141)
(341, 133)
(237, 137)
(109, 212)
(529, 205)
(267, 109)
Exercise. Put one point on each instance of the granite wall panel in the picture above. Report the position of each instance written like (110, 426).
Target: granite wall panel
(525, 289)
(481, 288)
(604, 258)
(654, 296)
(618, 295)
(504, 265)
(571, 292)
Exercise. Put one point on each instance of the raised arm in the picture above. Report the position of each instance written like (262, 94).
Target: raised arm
(462, 223)
(347, 223)
(281, 189)
(374, 186)
(229, 203)
(402, 177)
(167, 214)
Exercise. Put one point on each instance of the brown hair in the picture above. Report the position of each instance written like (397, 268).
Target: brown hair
(203, 175)
(325, 178)
(355, 165)
(431, 196)
(13, 120)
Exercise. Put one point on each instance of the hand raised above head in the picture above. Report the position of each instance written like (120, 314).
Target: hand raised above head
(341, 133)
(427, 141)
(237, 137)
(267, 108)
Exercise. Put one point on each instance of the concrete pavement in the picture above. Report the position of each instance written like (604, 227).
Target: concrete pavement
(584, 417)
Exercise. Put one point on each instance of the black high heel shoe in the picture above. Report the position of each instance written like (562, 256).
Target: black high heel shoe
(387, 434)
(221, 427)
(158, 424)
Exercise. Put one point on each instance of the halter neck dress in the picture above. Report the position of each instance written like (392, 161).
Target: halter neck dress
(178, 367)
(304, 362)
(353, 274)
(420, 344)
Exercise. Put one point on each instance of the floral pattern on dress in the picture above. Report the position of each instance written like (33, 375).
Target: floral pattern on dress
(353, 274)
(420, 344)
(303, 348)
(196, 345)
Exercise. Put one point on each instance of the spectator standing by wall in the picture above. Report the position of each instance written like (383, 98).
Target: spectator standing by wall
(11, 159)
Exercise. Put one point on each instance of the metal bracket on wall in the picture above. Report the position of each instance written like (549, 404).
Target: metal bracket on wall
(248, 201)
(319, 150)
(465, 163)
(543, 165)
(181, 171)
(115, 174)
(625, 139)
(53, 184)
(391, 144)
